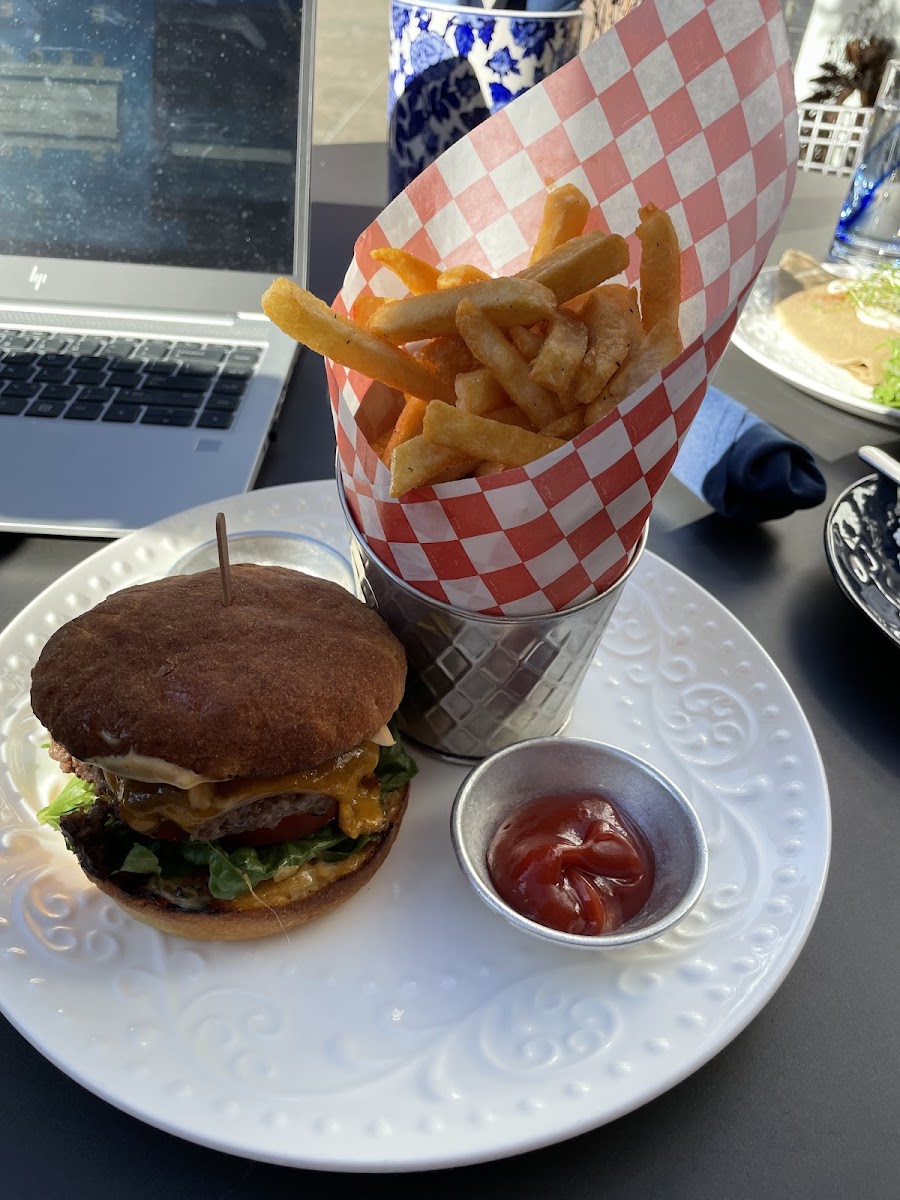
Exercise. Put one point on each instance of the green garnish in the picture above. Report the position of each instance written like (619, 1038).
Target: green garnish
(76, 794)
(879, 288)
(234, 872)
(888, 391)
(395, 767)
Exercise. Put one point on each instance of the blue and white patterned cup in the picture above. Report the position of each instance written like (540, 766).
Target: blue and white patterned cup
(451, 66)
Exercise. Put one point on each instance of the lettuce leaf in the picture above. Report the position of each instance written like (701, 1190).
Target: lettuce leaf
(888, 391)
(395, 767)
(234, 872)
(76, 794)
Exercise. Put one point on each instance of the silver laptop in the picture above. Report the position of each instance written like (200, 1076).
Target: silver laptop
(154, 177)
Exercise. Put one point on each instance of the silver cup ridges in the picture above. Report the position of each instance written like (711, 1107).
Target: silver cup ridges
(477, 683)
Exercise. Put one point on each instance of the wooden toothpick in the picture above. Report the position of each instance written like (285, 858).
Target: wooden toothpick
(224, 564)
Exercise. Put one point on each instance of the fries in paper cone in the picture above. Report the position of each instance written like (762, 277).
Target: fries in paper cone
(575, 268)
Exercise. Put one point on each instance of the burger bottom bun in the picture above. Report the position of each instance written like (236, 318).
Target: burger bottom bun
(233, 925)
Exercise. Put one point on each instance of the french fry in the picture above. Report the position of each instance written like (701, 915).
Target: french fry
(627, 300)
(660, 268)
(364, 307)
(492, 349)
(378, 445)
(490, 468)
(507, 301)
(567, 426)
(483, 438)
(509, 416)
(447, 357)
(479, 392)
(608, 344)
(419, 276)
(309, 320)
(658, 348)
(565, 213)
(459, 275)
(528, 342)
(409, 425)
(418, 462)
(574, 267)
(561, 354)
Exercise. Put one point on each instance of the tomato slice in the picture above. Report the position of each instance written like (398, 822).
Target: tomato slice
(295, 825)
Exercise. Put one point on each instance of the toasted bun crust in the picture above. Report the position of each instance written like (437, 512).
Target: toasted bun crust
(294, 672)
(232, 925)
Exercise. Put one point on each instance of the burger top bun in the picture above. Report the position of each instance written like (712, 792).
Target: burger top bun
(294, 672)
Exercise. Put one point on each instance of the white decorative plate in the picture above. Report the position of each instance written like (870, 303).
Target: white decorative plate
(763, 338)
(413, 1028)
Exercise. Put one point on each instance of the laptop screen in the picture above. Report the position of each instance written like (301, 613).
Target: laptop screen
(150, 131)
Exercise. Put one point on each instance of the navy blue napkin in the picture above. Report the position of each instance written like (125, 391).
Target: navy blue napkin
(743, 467)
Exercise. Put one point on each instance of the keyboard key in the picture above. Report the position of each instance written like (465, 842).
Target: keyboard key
(119, 363)
(91, 362)
(168, 416)
(89, 378)
(217, 403)
(20, 358)
(160, 368)
(236, 372)
(97, 395)
(15, 371)
(24, 390)
(178, 383)
(155, 349)
(79, 411)
(86, 346)
(125, 379)
(241, 357)
(45, 408)
(230, 387)
(52, 375)
(215, 420)
(168, 399)
(179, 346)
(21, 341)
(121, 349)
(55, 360)
(11, 407)
(123, 414)
(211, 354)
(50, 345)
(199, 369)
(59, 391)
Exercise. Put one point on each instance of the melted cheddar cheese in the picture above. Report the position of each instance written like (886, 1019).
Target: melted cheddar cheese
(349, 779)
(301, 883)
(305, 881)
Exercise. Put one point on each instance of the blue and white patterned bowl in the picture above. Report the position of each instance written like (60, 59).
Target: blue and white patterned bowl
(452, 66)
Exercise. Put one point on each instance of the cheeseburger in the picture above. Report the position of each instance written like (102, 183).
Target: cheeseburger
(232, 770)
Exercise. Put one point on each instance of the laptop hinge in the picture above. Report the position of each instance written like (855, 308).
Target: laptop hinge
(120, 314)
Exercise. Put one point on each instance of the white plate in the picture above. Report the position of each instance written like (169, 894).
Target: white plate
(763, 338)
(413, 1028)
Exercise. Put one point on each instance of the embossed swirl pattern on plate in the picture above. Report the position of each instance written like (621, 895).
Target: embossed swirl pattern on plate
(413, 1001)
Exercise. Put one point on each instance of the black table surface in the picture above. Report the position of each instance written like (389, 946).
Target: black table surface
(806, 1101)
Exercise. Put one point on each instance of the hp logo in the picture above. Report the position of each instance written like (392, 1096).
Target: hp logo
(37, 278)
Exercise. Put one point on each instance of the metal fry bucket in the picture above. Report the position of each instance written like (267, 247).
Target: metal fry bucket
(477, 683)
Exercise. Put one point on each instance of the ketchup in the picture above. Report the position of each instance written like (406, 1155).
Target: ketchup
(572, 863)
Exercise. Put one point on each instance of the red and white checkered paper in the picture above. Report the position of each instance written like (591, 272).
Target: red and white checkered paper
(685, 103)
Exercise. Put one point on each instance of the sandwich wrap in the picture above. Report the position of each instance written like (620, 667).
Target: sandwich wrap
(686, 104)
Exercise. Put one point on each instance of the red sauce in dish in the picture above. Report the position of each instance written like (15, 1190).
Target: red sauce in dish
(573, 863)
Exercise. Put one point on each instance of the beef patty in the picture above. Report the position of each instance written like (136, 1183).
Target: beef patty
(264, 813)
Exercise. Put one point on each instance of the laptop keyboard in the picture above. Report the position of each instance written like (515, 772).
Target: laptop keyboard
(123, 380)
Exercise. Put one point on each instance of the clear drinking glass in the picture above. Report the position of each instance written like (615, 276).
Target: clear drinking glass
(868, 229)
